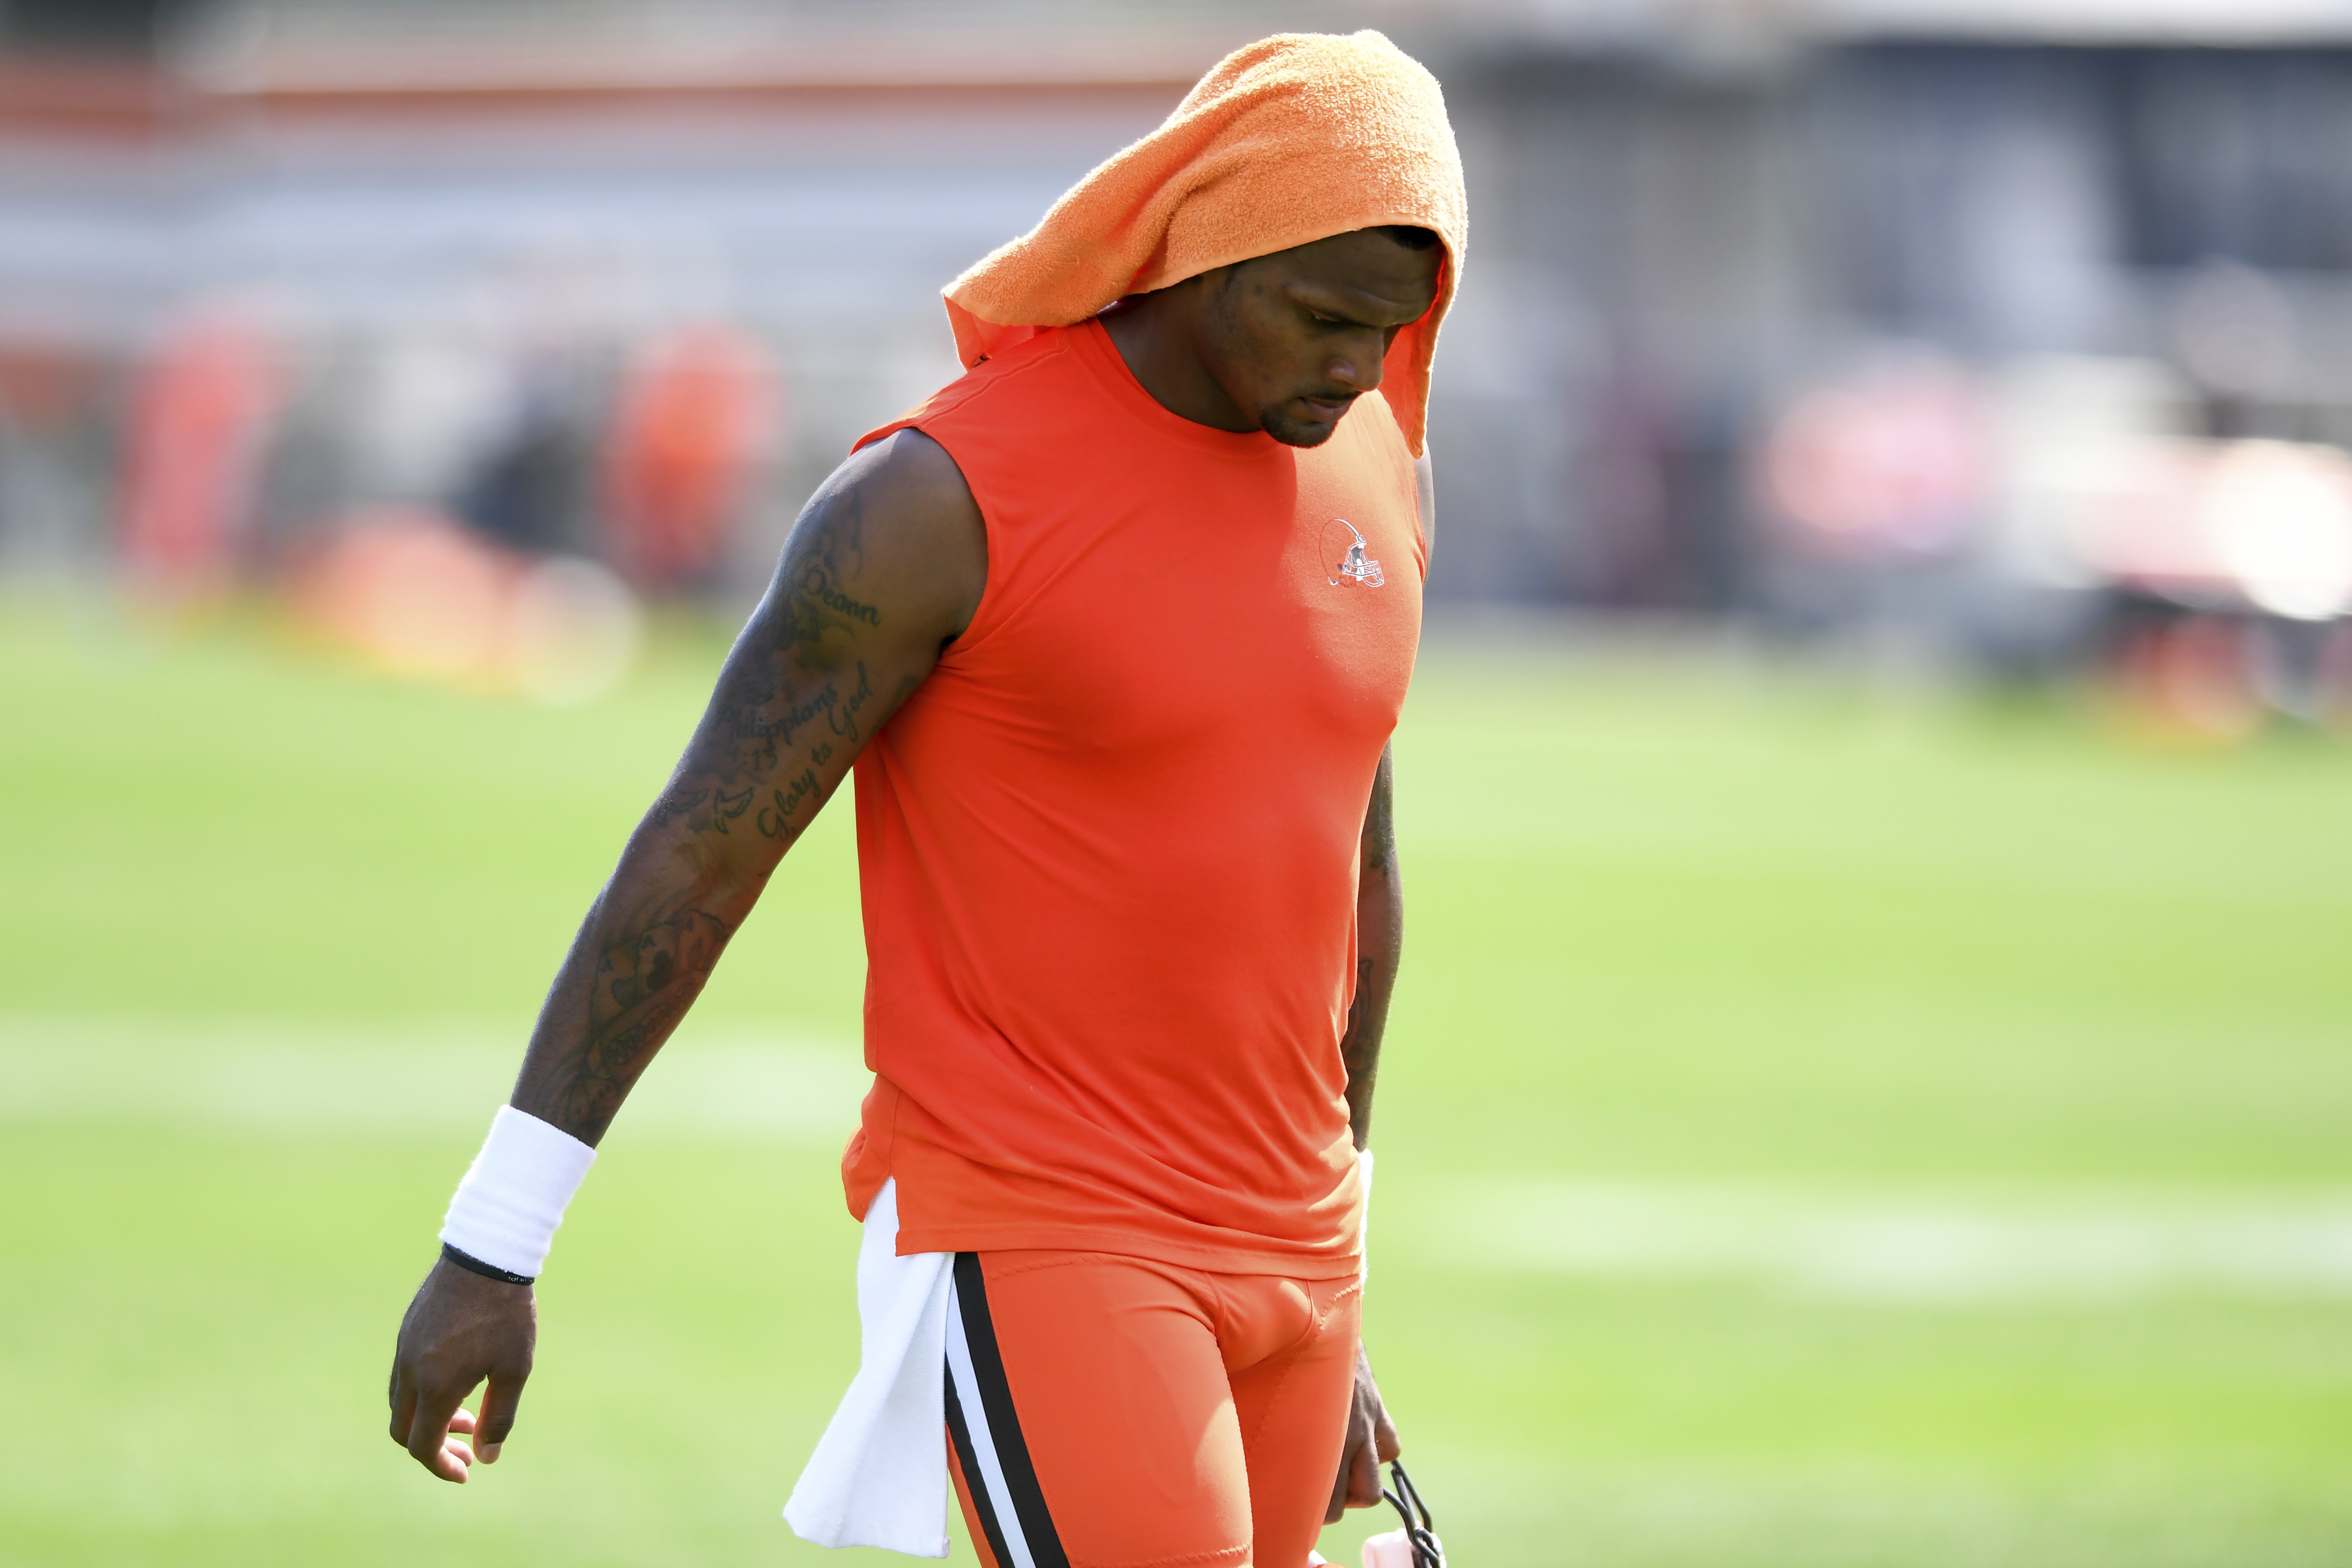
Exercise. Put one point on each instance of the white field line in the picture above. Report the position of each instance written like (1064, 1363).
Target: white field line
(1848, 1242)
(1891, 1246)
(432, 1078)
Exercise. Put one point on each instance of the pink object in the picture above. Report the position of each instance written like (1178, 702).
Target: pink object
(1890, 465)
(1389, 1551)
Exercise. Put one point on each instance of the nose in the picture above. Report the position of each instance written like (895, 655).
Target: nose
(1358, 365)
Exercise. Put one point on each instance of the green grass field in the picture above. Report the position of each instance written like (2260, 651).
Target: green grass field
(1819, 1129)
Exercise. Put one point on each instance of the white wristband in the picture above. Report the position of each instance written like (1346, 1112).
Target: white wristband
(513, 1196)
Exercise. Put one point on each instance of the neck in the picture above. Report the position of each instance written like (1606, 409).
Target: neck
(1159, 336)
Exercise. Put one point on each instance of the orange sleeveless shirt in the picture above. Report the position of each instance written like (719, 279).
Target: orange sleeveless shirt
(1108, 850)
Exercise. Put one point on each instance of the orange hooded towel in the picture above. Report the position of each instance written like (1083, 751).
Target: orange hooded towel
(1294, 138)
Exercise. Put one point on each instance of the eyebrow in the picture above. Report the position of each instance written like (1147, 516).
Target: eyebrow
(1325, 301)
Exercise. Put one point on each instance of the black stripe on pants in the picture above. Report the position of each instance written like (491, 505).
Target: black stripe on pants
(997, 1470)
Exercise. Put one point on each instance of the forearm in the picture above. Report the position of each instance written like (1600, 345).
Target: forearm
(782, 727)
(1379, 944)
(642, 956)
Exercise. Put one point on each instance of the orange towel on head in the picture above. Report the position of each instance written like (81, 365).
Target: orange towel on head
(1294, 138)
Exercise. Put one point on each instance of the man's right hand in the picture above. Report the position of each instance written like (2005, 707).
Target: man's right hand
(461, 1329)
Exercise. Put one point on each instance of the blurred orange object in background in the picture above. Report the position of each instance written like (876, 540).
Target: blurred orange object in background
(200, 415)
(416, 594)
(697, 412)
(411, 590)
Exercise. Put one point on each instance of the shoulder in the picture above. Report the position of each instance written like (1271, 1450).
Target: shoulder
(906, 478)
(985, 388)
(902, 507)
(909, 465)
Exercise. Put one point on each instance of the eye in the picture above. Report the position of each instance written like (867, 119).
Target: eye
(1321, 319)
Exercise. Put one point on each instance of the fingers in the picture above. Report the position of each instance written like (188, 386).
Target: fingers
(404, 1403)
(1385, 1441)
(1339, 1503)
(458, 1448)
(429, 1442)
(1363, 1475)
(1371, 1442)
(1354, 1451)
(1386, 1444)
(499, 1402)
(424, 1426)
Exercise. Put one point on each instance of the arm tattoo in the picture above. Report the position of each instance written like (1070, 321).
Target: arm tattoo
(796, 699)
(793, 694)
(796, 676)
(648, 972)
(725, 807)
(676, 803)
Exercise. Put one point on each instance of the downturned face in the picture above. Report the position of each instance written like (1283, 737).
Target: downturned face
(1295, 337)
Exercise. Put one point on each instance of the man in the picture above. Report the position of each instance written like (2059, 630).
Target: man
(1115, 630)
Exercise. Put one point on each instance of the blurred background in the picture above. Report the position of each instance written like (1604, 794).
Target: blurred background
(1870, 1082)
(2010, 339)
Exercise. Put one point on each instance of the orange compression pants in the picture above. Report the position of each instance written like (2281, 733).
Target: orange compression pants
(1107, 1411)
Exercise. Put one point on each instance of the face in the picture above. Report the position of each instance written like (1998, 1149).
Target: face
(1295, 337)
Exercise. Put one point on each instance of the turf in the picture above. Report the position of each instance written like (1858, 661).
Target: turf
(1687, 934)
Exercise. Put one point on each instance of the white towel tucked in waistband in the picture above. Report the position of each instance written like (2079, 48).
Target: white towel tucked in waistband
(879, 1474)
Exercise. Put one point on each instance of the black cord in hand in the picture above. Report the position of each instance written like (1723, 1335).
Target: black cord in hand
(1419, 1527)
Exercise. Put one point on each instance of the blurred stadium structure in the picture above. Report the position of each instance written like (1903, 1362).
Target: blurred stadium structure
(2012, 335)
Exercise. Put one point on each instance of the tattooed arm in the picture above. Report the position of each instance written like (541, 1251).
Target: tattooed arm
(883, 569)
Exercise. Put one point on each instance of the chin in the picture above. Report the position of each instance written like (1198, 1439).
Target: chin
(1297, 432)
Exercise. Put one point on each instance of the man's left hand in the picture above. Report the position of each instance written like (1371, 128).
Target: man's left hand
(1371, 1443)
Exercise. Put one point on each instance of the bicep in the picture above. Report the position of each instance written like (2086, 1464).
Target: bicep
(884, 568)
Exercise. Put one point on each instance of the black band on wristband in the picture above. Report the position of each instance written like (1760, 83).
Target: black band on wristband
(487, 1270)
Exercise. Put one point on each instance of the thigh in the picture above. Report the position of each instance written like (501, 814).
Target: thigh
(1090, 1418)
(1292, 1408)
